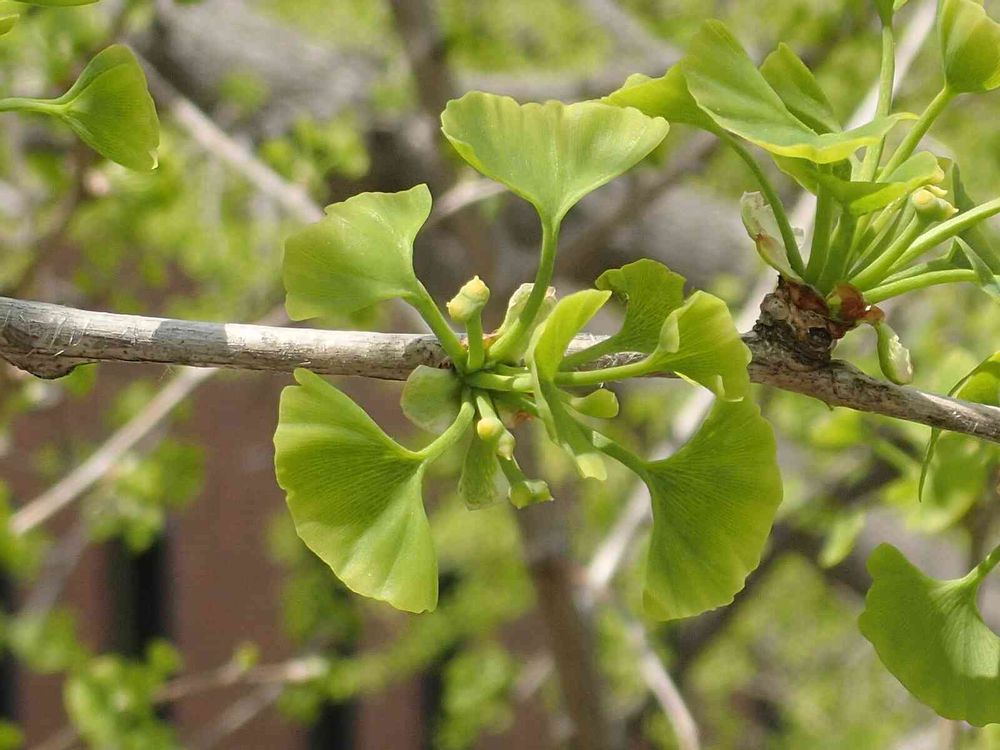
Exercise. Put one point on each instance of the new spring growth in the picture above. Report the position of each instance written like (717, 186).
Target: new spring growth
(515, 306)
(601, 403)
(931, 206)
(466, 307)
(893, 357)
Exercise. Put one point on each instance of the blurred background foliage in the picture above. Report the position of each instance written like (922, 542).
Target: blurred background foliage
(323, 93)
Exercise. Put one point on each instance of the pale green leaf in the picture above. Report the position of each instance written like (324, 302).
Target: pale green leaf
(666, 96)
(726, 84)
(111, 110)
(798, 88)
(480, 483)
(841, 537)
(359, 254)
(431, 398)
(550, 154)
(7, 23)
(355, 495)
(930, 635)
(970, 46)
(650, 291)
(699, 342)
(714, 502)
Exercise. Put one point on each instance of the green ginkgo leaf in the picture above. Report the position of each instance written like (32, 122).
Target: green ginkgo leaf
(957, 467)
(970, 46)
(359, 254)
(111, 110)
(930, 635)
(726, 84)
(431, 398)
(699, 342)
(798, 88)
(973, 248)
(550, 154)
(355, 495)
(7, 23)
(714, 502)
(650, 291)
(545, 355)
(667, 97)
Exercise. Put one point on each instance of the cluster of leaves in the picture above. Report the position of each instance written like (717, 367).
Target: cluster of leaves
(355, 493)
(875, 222)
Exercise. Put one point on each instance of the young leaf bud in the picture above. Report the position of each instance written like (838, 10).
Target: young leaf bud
(930, 207)
(489, 428)
(529, 492)
(505, 445)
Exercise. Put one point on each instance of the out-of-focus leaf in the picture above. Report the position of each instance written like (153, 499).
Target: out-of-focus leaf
(7, 23)
(970, 46)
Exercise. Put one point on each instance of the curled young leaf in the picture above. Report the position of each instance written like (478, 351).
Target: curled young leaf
(359, 254)
(545, 354)
(893, 357)
(714, 502)
(970, 46)
(355, 495)
(762, 226)
(550, 154)
(699, 342)
(930, 635)
(726, 84)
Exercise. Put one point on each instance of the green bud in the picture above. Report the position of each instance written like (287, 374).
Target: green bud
(601, 403)
(489, 428)
(529, 492)
(470, 300)
(505, 445)
(932, 207)
(893, 357)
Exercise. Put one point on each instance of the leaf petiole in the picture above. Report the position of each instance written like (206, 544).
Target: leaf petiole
(546, 264)
(986, 566)
(905, 149)
(492, 381)
(887, 73)
(453, 434)
(424, 304)
(924, 280)
(583, 378)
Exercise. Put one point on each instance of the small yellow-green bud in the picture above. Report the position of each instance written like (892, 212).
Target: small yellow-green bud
(505, 445)
(931, 207)
(469, 301)
(490, 428)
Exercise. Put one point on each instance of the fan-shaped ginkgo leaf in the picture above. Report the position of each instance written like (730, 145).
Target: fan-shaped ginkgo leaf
(930, 635)
(355, 495)
(970, 46)
(714, 502)
(550, 154)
